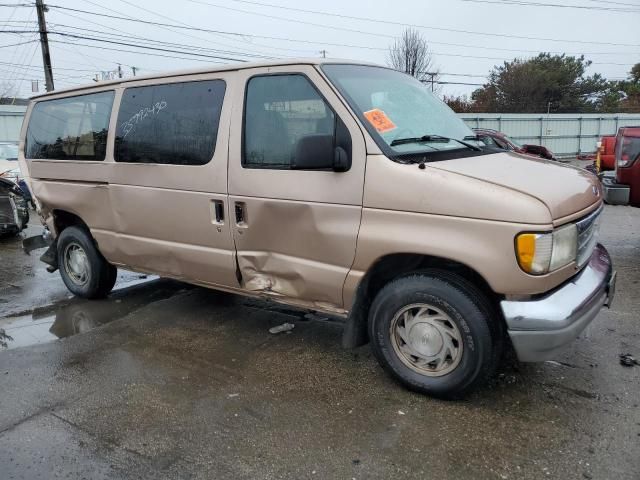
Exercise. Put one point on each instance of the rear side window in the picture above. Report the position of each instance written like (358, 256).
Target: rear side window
(279, 111)
(73, 128)
(175, 123)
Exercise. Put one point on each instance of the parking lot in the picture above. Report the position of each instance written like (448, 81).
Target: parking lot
(165, 380)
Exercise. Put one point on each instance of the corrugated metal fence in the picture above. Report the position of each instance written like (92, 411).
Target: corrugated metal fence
(10, 122)
(564, 134)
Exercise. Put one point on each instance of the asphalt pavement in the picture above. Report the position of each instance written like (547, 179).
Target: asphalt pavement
(166, 380)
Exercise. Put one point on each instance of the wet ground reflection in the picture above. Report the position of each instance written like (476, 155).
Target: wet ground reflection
(77, 316)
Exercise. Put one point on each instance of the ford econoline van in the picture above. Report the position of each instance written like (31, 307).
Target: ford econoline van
(338, 187)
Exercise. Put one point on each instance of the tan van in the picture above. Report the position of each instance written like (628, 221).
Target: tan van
(339, 187)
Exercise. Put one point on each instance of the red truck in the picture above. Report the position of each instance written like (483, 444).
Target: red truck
(608, 152)
(622, 186)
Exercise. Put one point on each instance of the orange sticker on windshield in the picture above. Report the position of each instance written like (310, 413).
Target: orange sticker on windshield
(379, 120)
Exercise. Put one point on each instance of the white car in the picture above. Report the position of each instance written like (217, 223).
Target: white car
(9, 162)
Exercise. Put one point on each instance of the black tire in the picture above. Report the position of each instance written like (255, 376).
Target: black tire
(467, 310)
(97, 278)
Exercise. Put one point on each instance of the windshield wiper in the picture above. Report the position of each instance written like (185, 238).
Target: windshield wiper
(433, 138)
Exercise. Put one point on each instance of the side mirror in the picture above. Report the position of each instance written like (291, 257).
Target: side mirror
(317, 152)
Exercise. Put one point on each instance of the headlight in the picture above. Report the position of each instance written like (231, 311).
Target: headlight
(540, 253)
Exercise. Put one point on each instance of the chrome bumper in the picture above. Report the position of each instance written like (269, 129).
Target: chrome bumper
(541, 328)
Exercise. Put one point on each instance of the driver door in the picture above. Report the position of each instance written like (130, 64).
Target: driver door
(295, 231)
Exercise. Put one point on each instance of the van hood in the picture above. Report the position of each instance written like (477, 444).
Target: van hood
(564, 189)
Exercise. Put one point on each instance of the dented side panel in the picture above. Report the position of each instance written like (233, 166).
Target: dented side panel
(297, 249)
(89, 201)
(298, 240)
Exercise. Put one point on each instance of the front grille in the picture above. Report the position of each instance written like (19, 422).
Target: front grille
(587, 236)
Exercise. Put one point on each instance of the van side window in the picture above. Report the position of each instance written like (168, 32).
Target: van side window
(279, 111)
(72, 128)
(175, 123)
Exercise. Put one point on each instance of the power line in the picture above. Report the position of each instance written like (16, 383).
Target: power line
(84, 37)
(366, 47)
(613, 3)
(35, 49)
(219, 57)
(320, 42)
(158, 24)
(38, 68)
(159, 42)
(557, 5)
(183, 26)
(101, 47)
(87, 57)
(389, 22)
(456, 83)
(462, 74)
(21, 53)
(157, 14)
(168, 43)
(16, 44)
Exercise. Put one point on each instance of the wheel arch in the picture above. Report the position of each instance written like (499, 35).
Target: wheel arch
(390, 267)
(64, 218)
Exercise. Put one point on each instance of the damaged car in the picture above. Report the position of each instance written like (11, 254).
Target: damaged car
(497, 139)
(338, 187)
(14, 211)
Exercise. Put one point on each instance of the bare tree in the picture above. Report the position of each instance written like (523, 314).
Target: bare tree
(7, 89)
(411, 54)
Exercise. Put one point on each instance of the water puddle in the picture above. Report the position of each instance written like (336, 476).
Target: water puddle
(78, 316)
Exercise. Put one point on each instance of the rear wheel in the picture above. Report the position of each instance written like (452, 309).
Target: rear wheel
(83, 269)
(434, 334)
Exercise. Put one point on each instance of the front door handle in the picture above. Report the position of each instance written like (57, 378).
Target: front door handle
(241, 213)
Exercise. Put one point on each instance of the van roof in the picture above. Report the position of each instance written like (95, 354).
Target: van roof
(217, 68)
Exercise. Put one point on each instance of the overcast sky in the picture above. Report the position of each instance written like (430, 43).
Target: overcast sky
(467, 37)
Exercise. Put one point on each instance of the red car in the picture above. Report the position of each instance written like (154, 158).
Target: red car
(494, 138)
(608, 153)
(624, 185)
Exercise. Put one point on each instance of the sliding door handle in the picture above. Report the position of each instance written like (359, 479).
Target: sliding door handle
(217, 211)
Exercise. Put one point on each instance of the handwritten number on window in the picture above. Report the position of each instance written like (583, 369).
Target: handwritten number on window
(142, 114)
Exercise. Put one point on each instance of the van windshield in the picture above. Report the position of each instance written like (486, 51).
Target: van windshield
(402, 115)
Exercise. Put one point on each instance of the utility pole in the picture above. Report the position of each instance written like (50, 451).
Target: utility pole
(324, 53)
(133, 69)
(119, 71)
(44, 45)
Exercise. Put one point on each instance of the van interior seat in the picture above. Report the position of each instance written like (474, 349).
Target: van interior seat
(268, 138)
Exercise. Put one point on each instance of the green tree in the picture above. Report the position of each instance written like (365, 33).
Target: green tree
(555, 83)
(630, 91)
(460, 104)
(634, 74)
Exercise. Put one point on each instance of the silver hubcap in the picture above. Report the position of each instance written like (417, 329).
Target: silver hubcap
(76, 264)
(426, 339)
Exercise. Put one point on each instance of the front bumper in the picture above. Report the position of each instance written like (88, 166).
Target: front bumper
(541, 328)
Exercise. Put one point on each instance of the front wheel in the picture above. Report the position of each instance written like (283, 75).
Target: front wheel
(83, 269)
(434, 334)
